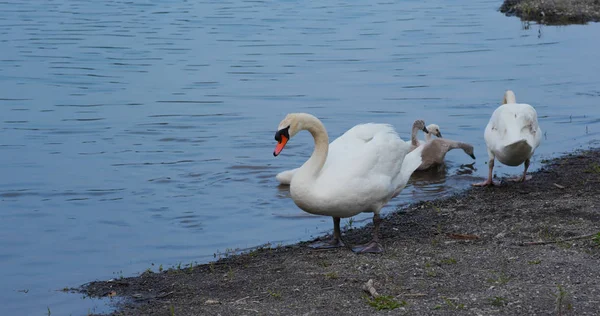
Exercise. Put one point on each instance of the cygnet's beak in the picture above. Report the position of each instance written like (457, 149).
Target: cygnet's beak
(472, 156)
(439, 134)
(281, 136)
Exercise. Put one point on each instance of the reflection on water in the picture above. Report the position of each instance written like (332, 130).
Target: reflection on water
(139, 133)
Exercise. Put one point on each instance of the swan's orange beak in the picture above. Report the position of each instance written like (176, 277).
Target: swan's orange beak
(282, 136)
(280, 145)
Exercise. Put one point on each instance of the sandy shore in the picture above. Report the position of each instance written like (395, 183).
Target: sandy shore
(470, 254)
(553, 12)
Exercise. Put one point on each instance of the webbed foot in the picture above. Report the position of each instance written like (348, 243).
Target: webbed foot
(333, 243)
(371, 247)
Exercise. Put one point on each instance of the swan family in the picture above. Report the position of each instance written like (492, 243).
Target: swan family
(368, 165)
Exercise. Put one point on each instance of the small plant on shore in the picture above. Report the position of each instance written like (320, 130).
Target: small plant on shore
(448, 261)
(172, 310)
(561, 300)
(500, 278)
(593, 168)
(160, 268)
(385, 302)
(324, 263)
(534, 262)
(498, 301)
(596, 239)
(429, 270)
(452, 304)
(349, 224)
(230, 273)
(49, 312)
(274, 294)
(331, 275)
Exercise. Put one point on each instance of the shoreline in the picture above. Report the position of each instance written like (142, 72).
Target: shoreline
(469, 253)
(558, 12)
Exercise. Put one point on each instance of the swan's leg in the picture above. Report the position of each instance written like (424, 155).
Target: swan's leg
(524, 176)
(489, 181)
(373, 246)
(335, 242)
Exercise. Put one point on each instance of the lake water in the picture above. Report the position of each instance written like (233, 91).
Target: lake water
(141, 132)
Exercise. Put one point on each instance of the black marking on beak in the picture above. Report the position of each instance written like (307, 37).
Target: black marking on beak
(472, 156)
(425, 130)
(440, 136)
(284, 132)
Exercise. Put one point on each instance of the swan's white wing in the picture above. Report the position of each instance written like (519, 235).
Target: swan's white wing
(348, 143)
(364, 165)
(285, 177)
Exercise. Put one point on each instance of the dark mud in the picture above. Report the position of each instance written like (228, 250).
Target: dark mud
(463, 255)
(553, 12)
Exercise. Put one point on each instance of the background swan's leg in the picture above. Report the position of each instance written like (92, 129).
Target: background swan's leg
(489, 181)
(335, 242)
(524, 176)
(373, 246)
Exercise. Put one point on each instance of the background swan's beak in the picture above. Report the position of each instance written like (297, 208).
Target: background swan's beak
(280, 145)
(425, 130)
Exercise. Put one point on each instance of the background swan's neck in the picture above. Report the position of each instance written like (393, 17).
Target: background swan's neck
(427, 137)
(413, 135)
(315, 163)
(509, 97)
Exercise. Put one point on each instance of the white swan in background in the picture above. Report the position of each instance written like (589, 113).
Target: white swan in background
(369, 166)
(285, 177)
(435, 150)
(512, 135)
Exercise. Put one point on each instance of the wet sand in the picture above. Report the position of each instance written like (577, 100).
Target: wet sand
(557, 12)
(516, 249)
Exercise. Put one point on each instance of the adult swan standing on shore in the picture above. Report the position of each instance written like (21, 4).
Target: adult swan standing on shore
(371, 167)
(511, 136)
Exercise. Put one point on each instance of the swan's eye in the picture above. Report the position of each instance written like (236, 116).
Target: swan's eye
(284, 132)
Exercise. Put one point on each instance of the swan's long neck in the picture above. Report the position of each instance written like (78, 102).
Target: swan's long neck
(315, 163)
(427, 137)
(413, 135)
(509, 97)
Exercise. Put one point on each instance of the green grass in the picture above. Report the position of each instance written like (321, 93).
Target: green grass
(498, 301)
(274, 294)
(500, 278)
(448, 261)
(331, 275)
(593, 168)
(596, 239)
(452, 304)
(534, 262)
(561, 300)
(385, 302)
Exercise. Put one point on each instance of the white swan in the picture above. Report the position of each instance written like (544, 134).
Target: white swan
(512, 135)
(371, 165)
(285, 177)
(435, 150)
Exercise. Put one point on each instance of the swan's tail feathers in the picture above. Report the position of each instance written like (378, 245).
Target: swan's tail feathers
(515, 153)
(519, 145)
(285, 177)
